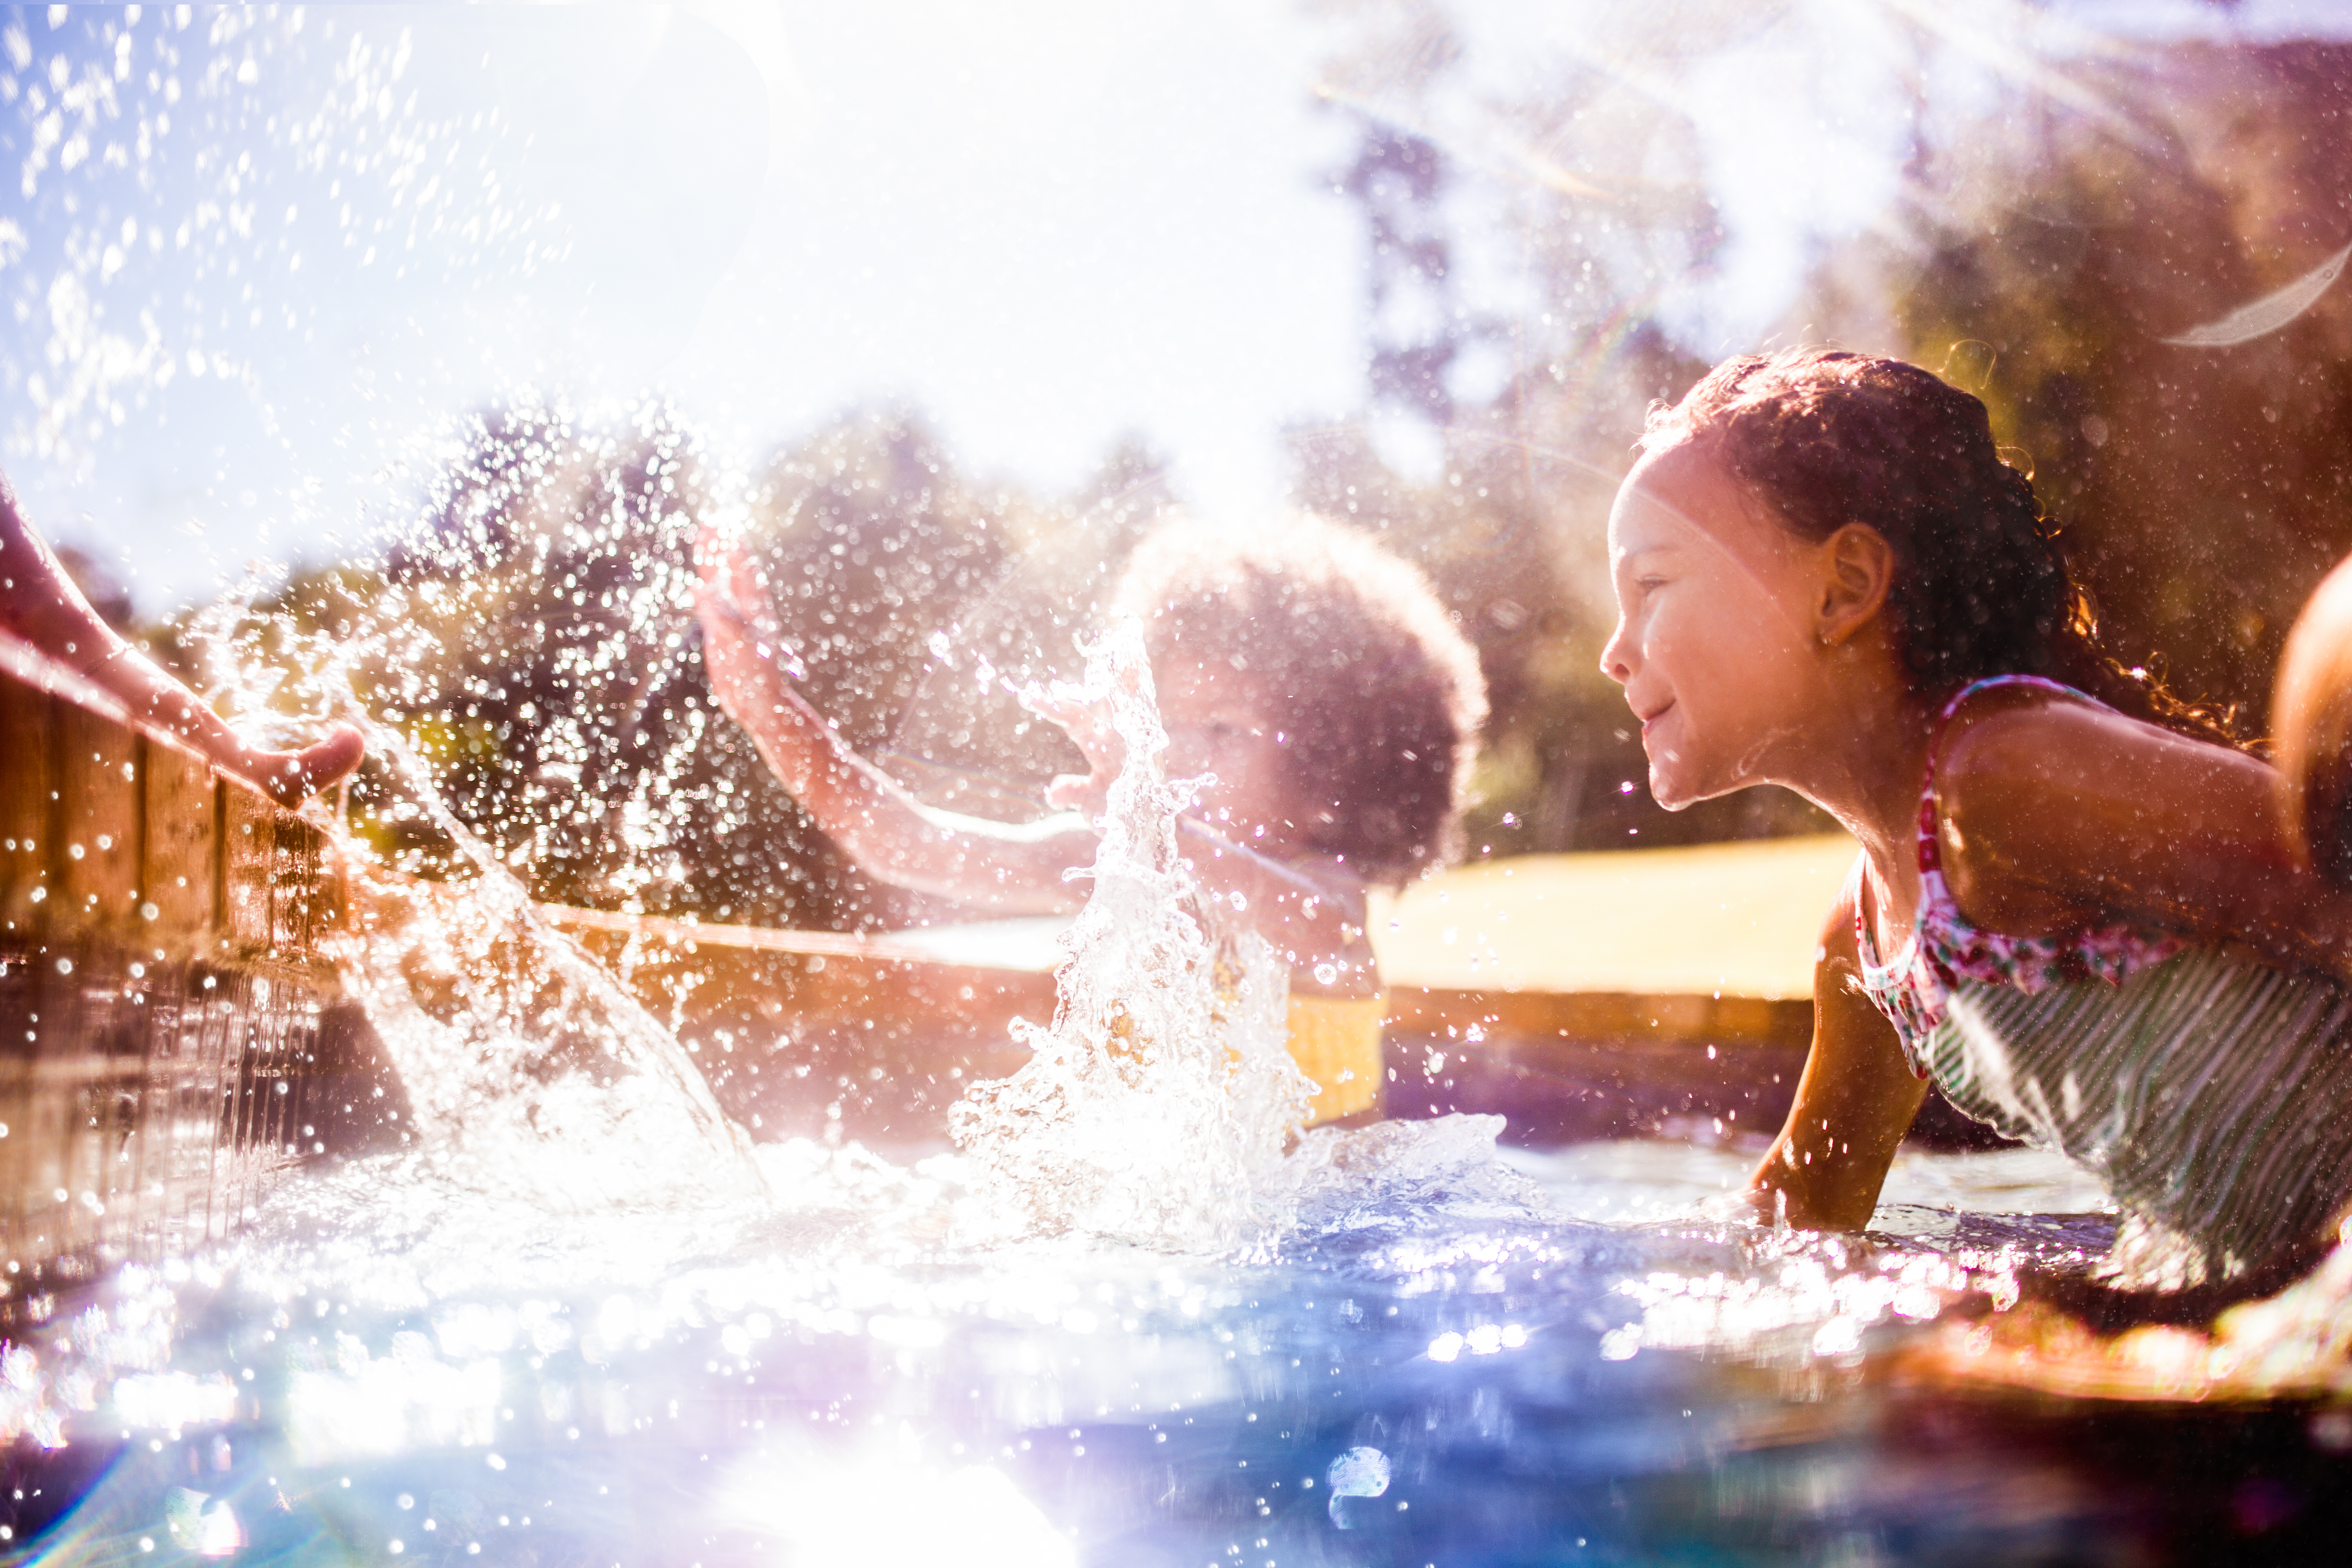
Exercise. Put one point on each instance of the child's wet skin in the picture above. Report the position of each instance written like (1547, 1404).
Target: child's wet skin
(40, 602)
(1745, 647)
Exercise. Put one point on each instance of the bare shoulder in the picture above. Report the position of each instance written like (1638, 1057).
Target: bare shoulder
(2003, 731)
(2016, 754)
(2042, 798)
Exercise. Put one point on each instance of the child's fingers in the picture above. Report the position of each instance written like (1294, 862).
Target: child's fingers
(332, 758)
(727, 572)
(1087, 723)
(714, 601)
(730, 585)
(711, 549)
(1089, 793)
(718, 552)
(290, 778)
(748, 584)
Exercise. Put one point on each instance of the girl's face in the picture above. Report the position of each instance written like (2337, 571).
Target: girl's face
(1715, 643)
(1218, 722)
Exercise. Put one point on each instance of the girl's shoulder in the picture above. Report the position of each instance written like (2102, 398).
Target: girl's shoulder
(1994, 742)
(2017, 780)
(2047, 809)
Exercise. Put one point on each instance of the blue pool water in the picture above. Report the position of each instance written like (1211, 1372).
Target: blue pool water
(1431, 1354)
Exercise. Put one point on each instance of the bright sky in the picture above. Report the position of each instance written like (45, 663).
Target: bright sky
(1047, 226)
(250, 265)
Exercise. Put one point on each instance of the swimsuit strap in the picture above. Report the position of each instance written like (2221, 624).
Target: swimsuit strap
(1930, 858)
(1914, 989)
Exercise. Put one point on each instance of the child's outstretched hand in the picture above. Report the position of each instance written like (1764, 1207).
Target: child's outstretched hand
(1085, 717)
(1087, 723)
(289, 778)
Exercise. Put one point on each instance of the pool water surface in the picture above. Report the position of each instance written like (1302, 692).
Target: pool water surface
(1426, 1352)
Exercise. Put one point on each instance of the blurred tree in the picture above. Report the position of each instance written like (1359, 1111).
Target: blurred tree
(1509, 525)
(919, 603)
(868, 545)
(1398, 180)
(2203, 491)
(533, 636)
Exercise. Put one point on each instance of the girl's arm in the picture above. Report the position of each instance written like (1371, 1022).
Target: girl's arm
(40, 603)
(1014, 869)
(2057, 813)
(1855, 1102)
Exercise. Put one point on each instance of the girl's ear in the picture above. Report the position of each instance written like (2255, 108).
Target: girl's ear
(1857, 570)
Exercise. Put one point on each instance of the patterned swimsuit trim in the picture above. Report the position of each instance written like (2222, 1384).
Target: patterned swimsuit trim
(1915, 989)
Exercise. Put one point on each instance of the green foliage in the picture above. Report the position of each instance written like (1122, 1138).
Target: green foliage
(2202, 490)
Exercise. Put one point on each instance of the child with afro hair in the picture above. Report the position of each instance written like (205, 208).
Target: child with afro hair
(1311, 672)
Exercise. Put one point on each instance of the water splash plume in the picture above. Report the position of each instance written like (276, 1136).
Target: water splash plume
(1162, 1091)
(528, 1066)
(531, 1072)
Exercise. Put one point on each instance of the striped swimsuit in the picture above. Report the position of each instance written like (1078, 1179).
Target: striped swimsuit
(2211, 1092)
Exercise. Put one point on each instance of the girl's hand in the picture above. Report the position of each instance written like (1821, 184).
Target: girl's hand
(1089, 724)
(1855, 1099)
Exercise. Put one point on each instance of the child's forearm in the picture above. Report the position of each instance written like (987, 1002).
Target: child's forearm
(40, 602)
(157, 699)
(893, 837)
(1854, 1101)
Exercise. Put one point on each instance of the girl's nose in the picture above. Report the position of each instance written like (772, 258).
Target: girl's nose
(1613, 662)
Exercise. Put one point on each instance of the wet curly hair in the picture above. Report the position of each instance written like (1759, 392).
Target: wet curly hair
(1380, 696)
(1826, 437)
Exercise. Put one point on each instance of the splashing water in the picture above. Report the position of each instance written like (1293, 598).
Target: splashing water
(510, 1039)
(1162, 1093)
(531, 1072)
(523, 656)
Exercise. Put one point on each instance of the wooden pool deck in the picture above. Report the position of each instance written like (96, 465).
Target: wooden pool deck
(175, 1034)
